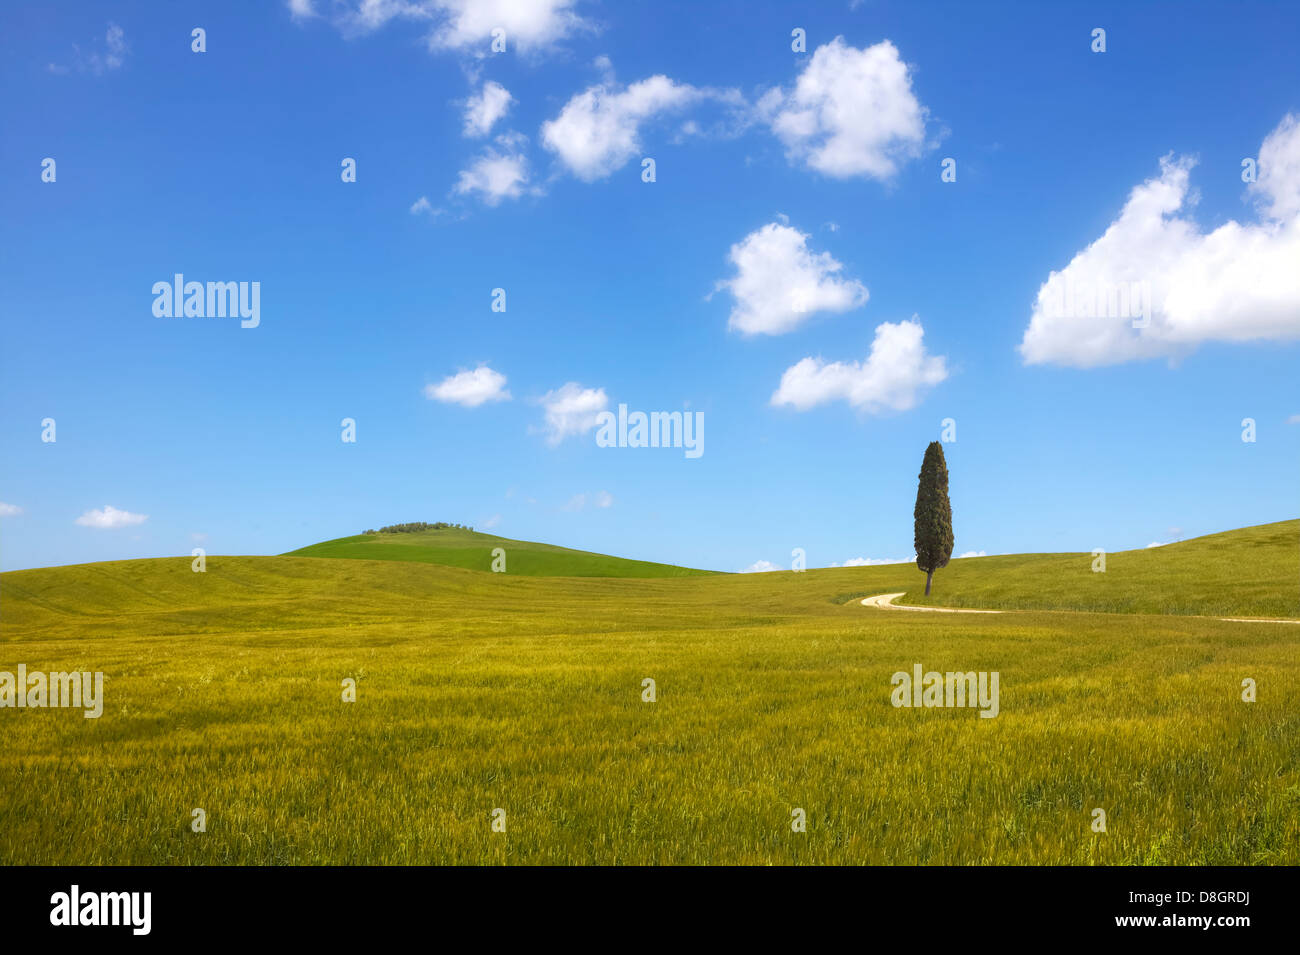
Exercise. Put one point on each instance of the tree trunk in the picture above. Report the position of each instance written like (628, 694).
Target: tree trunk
(929, 576)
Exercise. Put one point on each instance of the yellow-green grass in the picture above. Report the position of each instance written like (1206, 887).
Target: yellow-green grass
(478, 691)
(455, 547)
(1252, 572)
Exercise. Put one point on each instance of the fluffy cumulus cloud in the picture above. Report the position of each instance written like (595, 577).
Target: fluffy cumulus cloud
(459, 25)
(892, 378)
(760, 567)
(109, 517)
(780, 282)
(529, 25)
(851, 112)
(9, 510)
(571, 409)
(598, 130)
(973, 553)
(499, 173)
(485, 107)
(470, 388)
(1154, 285)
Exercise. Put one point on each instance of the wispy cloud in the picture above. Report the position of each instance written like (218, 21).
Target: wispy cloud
(875, 561)
(109, 517)
(500, 172)
(579, 502)
(102, 58)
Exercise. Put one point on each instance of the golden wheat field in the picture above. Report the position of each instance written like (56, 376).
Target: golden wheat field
(502, 719)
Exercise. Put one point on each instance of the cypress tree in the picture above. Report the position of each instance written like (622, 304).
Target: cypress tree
(933, 514)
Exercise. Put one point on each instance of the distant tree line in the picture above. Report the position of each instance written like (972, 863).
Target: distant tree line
(415, 526)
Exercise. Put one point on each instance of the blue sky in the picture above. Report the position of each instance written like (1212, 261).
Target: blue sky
(780, 177)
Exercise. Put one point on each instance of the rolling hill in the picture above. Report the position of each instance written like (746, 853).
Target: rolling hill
(1252, 571)
(477, 690)
(455, 547)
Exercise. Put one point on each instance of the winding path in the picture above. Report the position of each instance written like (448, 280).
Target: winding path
(886, 602)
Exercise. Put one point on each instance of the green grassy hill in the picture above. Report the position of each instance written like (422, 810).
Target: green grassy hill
(1254, 571)
(455, 547)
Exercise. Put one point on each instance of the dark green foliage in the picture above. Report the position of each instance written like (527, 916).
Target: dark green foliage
(417, 526)
(933, 514)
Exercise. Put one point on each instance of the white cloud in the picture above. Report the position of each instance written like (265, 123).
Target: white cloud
(598, 130)
(1294, 419)
(9, 510)
(364, 16)
(484, 108)
(422, 206)
(112, 56)
(1277, 187)
(874, 561)
(1156, 544)
(109, 517)
(760, 567)
(571, 409)
(497, 174)
(114, 49)
(973, 553)
(461, 25)
(301, 9)
(579, 501)
(1238, 283)
(529, 25)
(470, 388)
(851, 113)
(779, 282)
(893, 378)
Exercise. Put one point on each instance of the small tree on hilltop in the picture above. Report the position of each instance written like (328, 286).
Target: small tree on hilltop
(933, 514)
